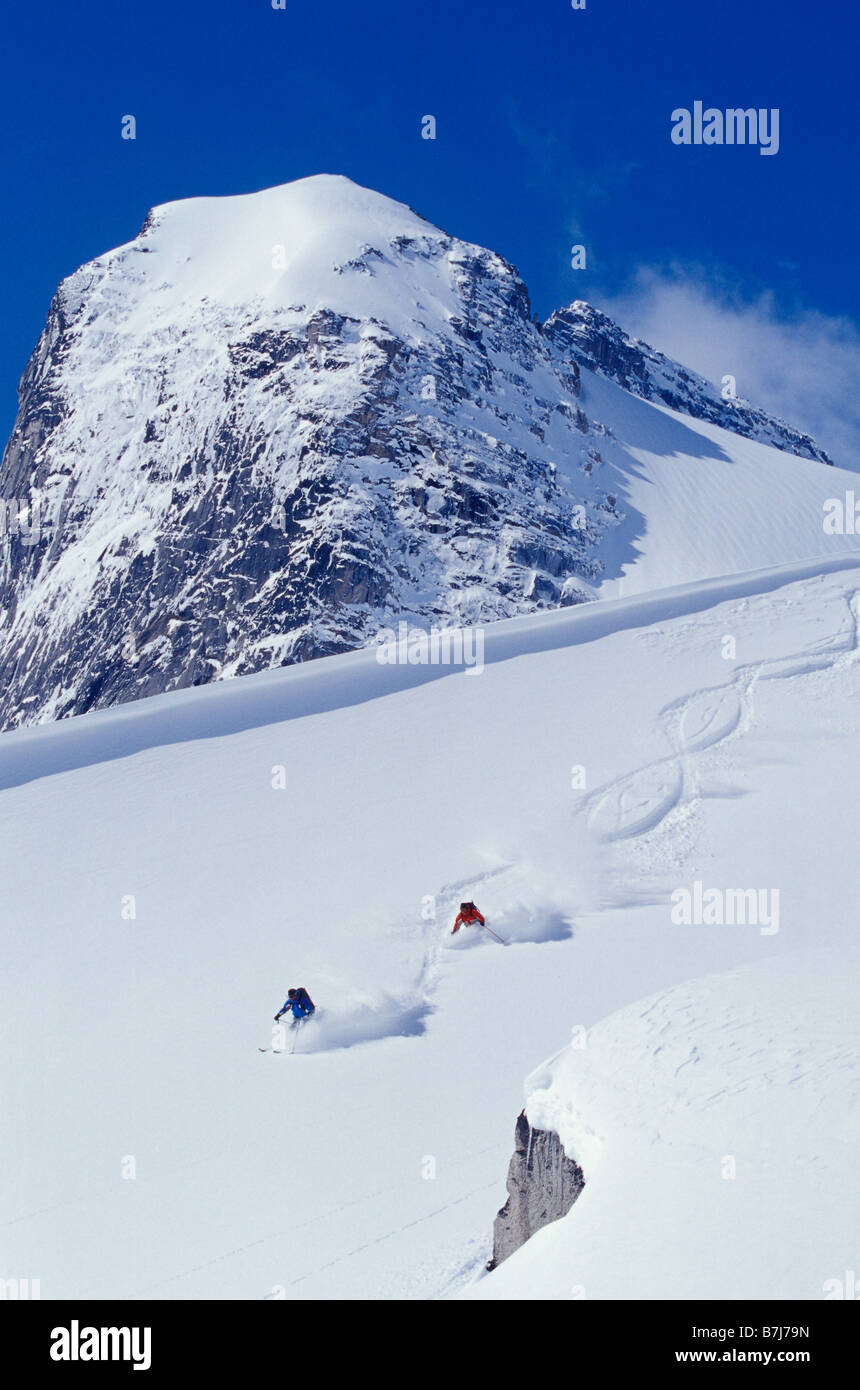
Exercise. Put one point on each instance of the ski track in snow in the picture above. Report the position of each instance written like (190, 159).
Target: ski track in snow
(330, 1214)
(639, 802)
(628, 807)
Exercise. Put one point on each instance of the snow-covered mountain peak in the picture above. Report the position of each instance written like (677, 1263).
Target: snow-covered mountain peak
(274, 424)
(319, 243)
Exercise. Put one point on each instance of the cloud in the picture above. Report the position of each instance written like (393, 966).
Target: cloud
(800, 366)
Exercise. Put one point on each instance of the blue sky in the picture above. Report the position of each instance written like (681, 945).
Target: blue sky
(552, 128)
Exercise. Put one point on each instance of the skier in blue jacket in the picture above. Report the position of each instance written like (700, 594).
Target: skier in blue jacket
(299, 1003)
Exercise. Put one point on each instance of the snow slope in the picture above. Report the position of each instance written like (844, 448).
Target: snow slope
(720, 1117)
(699, 501)
(371, 1162)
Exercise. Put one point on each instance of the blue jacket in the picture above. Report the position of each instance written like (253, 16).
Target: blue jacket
(301, 1005)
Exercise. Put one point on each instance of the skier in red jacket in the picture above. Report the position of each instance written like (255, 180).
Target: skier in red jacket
(466, 916)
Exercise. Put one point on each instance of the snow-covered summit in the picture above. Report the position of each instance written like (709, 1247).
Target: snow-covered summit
(316, 243)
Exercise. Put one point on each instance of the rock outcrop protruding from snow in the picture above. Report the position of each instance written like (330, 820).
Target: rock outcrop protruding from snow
(543, 1184)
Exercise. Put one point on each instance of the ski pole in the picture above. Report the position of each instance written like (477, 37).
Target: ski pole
(492, 933)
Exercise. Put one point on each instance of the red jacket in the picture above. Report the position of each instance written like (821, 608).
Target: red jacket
(467, 916)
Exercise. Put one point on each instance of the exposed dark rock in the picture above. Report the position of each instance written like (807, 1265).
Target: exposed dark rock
(543, 1184)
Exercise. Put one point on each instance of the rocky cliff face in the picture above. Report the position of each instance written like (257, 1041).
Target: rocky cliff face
(543, 1184)
(271, 426)
(584, 335)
